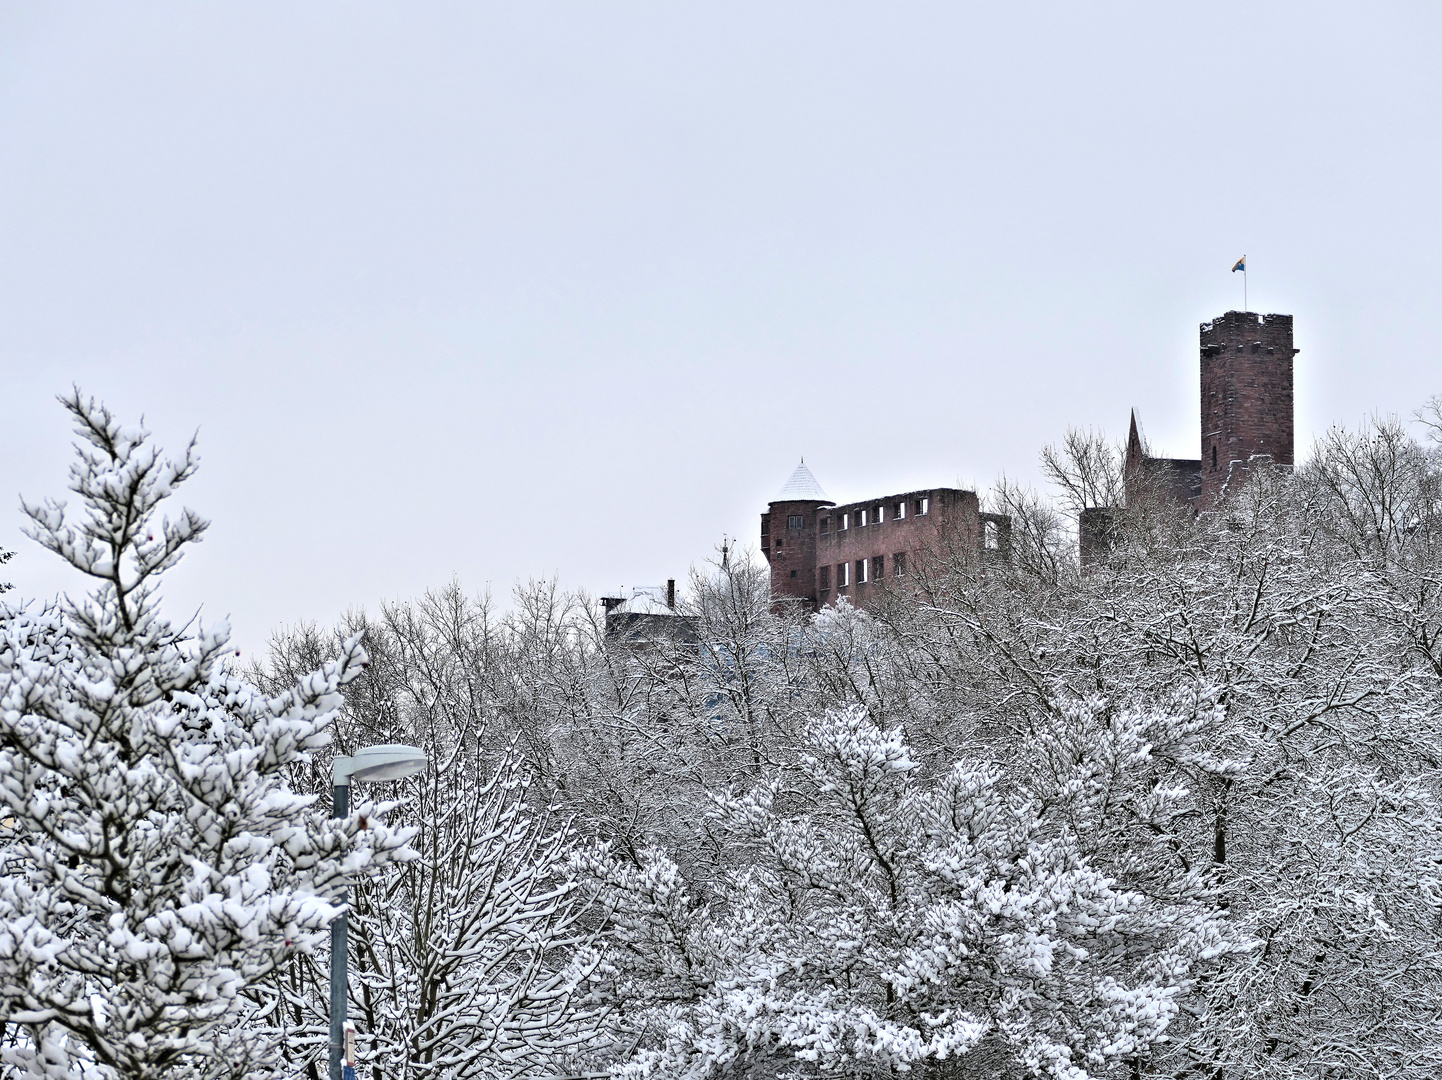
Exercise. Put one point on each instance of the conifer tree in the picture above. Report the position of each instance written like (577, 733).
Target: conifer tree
(156, 863)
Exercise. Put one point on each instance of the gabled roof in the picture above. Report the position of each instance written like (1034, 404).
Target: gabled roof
(802, 487)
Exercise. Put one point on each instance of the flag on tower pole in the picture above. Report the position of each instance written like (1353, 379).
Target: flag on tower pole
(1241, 264)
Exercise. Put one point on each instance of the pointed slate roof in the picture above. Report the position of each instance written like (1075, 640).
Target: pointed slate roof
(802, 487)
(1135, 450)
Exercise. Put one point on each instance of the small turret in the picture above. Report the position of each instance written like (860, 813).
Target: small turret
(788, 536)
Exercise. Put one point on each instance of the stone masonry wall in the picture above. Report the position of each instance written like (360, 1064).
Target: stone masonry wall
(910, 524)
(1247, 407)
(788, 540)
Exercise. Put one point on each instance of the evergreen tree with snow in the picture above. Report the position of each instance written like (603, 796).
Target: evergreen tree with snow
(157, 866)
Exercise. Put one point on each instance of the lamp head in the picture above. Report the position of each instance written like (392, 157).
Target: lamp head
(390, 761)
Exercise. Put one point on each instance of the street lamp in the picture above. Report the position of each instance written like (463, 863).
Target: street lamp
(391, 761)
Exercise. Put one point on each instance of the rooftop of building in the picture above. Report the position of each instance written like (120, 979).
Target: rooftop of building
(801, 487)
(642, 600)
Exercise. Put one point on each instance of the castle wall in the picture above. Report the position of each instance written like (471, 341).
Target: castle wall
(860, 560)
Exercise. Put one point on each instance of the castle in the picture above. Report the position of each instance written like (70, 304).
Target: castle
(820, 552)
(1246, 368)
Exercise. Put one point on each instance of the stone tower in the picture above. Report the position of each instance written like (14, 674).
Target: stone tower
(1246, 396)
(788, 536)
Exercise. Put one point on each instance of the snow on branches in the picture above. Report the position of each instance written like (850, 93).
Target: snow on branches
(157, 864)
(475, 959)
(878, 918)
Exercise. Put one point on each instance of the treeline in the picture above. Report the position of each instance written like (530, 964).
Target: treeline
(1176, 816)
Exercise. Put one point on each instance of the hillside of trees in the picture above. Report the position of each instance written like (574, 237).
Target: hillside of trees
(1177, 816)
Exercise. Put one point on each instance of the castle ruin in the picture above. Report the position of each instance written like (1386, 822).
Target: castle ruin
(1246, 412)
(820, 552)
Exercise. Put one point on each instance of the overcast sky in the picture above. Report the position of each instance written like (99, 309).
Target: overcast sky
(534, 290)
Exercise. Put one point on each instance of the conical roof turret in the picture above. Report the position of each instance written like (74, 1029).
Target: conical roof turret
(802, 487)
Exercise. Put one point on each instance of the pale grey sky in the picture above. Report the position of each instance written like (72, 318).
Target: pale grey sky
(541, 289)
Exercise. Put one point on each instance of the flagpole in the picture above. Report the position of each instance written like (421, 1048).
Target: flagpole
(1244, 288)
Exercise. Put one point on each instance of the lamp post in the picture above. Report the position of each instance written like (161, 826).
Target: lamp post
(391, 761)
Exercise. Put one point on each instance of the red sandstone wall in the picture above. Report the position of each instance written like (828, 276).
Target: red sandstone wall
(1247, 407)
(791, 551)
(950, 511)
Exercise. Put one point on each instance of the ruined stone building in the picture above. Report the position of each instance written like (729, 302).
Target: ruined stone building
(820, 552)
(1246, 364)
(1246, 373)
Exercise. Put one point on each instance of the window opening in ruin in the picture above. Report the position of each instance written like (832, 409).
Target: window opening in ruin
(988, 536)
(861, 576)
(825, 578)
(923, 506)
(779, 543)
(861, 519)
(898, 564)
(825, 524)
(794, 521)
(845, 522)
(843, 575)
(900, 510)
(878, 567)
(1214, 457)
(880, 514)
(793, 573)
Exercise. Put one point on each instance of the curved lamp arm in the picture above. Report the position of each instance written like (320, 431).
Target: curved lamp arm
(390, 761)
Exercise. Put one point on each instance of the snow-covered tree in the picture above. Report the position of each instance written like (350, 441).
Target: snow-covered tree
(474, 959)
(1215, 754)
(1316, 804)
(157, 864)
(875, 921)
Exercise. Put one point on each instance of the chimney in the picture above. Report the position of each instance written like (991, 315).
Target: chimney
(671, 593)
